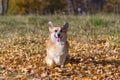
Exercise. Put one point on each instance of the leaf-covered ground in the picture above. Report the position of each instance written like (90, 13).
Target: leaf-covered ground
(94, 48)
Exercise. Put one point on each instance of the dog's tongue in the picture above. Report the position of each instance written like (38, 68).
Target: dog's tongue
(58, 39)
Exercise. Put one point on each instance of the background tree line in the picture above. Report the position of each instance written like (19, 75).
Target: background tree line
(59, 6)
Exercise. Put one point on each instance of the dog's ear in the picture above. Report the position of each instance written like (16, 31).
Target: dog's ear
(65, 26)
(50, 25)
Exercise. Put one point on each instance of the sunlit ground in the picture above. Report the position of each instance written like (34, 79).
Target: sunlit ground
(94, 47)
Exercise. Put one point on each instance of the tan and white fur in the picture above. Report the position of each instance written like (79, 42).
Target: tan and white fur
(57, 45)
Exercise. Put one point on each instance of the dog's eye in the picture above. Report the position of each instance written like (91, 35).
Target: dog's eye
(55, 30)
(60, 30)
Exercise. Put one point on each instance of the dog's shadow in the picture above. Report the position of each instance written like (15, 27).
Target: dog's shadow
(106, 62)
(76, 61)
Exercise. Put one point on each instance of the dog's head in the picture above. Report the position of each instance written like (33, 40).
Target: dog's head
(58, 34)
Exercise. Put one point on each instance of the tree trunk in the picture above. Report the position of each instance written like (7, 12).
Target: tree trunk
(70, 7)
(1, 7)
(6, 7)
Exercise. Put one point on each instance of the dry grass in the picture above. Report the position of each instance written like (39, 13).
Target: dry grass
(94, 48)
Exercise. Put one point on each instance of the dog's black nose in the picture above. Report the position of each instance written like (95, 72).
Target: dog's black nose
(58, 35)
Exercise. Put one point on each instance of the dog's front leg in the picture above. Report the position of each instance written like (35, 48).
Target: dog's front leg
(63, 60)
(57, 60)
(49, 61)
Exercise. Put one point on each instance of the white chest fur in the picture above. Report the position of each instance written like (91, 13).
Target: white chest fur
(56, 51)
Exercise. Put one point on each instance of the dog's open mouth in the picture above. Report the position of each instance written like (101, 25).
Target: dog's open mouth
(58, 38)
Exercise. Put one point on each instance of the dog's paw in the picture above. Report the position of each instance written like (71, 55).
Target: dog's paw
(49, 61)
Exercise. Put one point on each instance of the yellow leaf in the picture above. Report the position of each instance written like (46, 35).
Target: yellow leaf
(24, 78)
(68, 65)
(56, 75)
(86, 78)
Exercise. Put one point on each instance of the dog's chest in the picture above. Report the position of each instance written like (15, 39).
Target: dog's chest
(60, 46)
(57, 50)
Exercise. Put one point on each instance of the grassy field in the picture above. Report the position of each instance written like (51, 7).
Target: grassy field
(94, 48)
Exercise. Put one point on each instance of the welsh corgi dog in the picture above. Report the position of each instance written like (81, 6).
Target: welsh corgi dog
(57, 45)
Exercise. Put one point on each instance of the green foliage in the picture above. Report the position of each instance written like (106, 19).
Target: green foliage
(99, 22)
(58, 6)
(37, 21)
(14, 8)
(35, 6)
